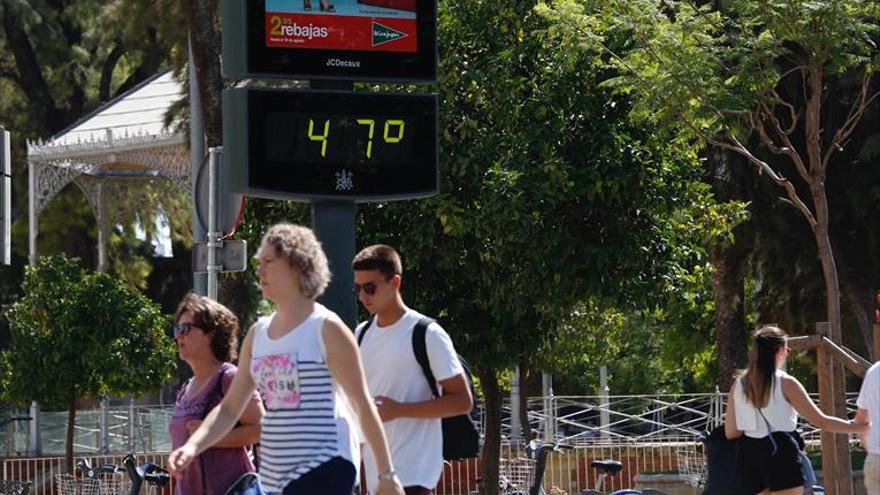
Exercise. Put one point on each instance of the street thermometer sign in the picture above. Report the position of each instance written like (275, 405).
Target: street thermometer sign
(319, 145)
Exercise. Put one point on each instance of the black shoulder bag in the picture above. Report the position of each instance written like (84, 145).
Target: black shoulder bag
(724, 470)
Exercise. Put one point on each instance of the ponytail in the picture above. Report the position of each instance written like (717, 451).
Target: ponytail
(758, 378)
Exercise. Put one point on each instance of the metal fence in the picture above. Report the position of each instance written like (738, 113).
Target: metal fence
(630, 419)
(569, 471)
(107, 430)
(41, 471)
(648, 433)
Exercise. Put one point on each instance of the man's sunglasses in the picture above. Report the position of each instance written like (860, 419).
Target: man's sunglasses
(369, 288)
(183, 328)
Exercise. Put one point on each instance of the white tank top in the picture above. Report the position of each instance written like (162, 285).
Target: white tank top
(779, 413)
(308, 420)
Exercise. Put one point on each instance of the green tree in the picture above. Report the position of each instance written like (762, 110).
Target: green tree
(549, 197)
(59, 60)
(747, 76)
(77, 334)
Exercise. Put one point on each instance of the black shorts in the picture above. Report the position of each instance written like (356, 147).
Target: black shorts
(762, 469)
(334, 477)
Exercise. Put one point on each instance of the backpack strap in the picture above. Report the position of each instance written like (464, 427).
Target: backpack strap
(360, 337)
(420, 349)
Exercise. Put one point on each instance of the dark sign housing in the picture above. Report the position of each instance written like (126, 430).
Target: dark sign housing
(310, 145)
(363, 40)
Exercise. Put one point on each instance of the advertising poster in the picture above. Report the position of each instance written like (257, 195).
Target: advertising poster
(357, 25)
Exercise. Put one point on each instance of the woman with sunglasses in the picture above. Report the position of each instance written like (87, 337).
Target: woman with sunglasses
(207, 340)
(763, 405)
(305, 361)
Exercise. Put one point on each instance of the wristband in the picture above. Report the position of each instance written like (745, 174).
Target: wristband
(388, 475)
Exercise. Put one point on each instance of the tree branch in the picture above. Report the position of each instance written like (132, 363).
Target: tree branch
(787, 147)
(792, 112)
(107, 71)
(856, 111)
(30, 77)
(781, 181)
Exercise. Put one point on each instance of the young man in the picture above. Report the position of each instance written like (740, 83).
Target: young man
(869, 409)
(410, 413)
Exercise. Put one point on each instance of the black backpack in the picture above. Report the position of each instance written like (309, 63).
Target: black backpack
(461, 440)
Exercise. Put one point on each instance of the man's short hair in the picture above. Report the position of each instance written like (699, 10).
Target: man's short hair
(378, 257)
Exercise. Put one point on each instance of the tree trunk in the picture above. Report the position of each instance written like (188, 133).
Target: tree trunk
(492, 440)
(202, 16)
(524, 372)
(832, 385)
(205, 39)
(728, 292)
(728, 260)
(30, 78)
(855, 288)
(71, 424)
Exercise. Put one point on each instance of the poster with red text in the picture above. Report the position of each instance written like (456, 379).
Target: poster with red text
(358, 25)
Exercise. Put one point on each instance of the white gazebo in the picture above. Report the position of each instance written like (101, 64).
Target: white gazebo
(121, 143)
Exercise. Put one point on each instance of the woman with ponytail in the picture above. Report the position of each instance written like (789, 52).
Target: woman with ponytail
(763, 405)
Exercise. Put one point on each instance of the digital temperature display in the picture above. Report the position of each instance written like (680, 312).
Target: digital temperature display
(326, 144)
(327, 138)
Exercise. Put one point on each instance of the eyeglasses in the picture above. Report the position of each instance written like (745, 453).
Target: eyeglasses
(369, 288)
(181, 329)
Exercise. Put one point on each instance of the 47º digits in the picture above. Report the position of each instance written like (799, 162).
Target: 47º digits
(392, 133)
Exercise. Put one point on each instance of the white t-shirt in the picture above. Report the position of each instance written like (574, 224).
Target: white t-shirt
(869, 399)
(392, 371)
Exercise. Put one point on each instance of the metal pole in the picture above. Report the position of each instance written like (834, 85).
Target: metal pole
(333, 222)
(5, 195)
(32, 215)
(102, 230)
(131, 419)
(515, 420)
(214, 241)
(549, 403)
(604, 402)
(105, 426)
(34, 448)
(197, 153)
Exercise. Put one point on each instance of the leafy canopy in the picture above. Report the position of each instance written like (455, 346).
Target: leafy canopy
(702, 72)
(78, 334)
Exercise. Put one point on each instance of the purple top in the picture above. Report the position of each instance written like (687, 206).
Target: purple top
(223, 466)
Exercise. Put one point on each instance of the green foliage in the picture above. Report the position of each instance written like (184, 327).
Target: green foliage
(58, 62)
(699, 72)
(549, 195)
(78, 334)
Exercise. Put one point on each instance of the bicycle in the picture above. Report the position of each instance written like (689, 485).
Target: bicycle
(150, 473)
(610, 467)
(524, 475)
(108, 479)
(105, 480)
